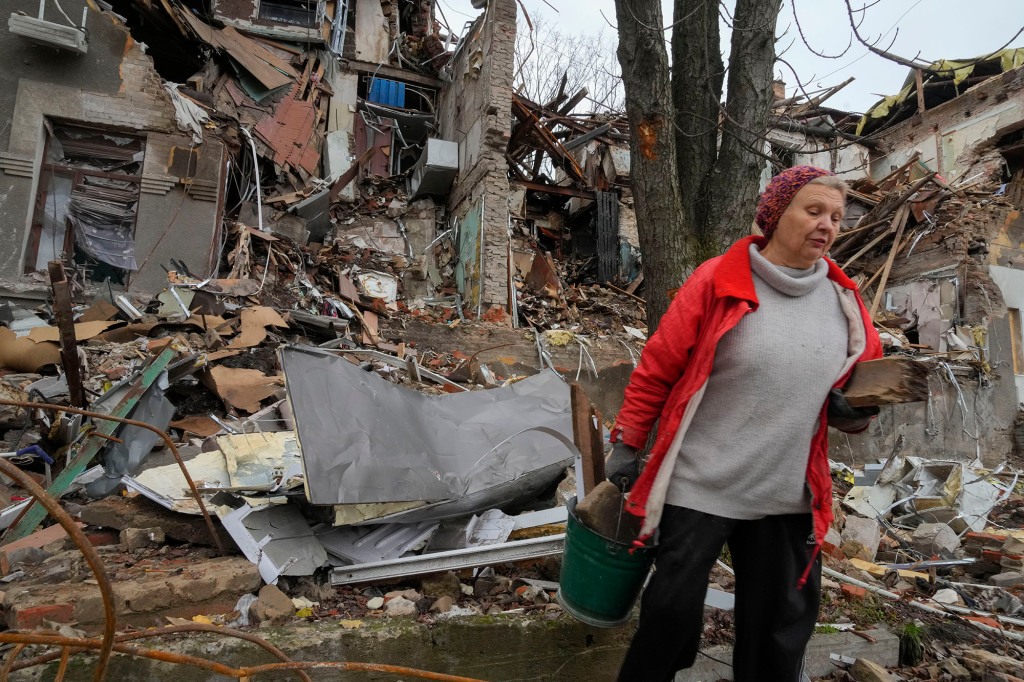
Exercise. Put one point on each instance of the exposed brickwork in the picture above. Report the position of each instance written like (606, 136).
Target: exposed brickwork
(32, 617)
(476, 111)
(141, 104)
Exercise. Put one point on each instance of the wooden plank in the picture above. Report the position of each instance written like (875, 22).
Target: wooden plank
(68, 343)
(350, 175)
(901, 222)
(887, 381)
(35, 513)
(242, 51)
(919, 82)
(589, 443)
(391, 73)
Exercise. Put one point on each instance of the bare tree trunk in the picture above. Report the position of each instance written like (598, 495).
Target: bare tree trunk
(697, 75)
(733, 192)
(664, 238)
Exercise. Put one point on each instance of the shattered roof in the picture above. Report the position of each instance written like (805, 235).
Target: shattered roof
(890, 110)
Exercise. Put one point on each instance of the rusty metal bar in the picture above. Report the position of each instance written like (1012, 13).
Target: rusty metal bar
(220, 668)
(88, 551)
(175, 630)
(5, 672)
(133, 422)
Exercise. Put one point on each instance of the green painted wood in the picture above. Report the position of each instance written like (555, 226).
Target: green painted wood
(35, 513)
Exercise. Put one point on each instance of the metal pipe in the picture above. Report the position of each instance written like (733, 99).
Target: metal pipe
(174, 630)
(220, 668)
(88, 551)
(133, 422)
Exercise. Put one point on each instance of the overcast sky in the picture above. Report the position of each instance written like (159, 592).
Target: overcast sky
(931, 29)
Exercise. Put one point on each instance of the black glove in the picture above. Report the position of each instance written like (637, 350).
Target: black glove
(845, 417)
(623, 466)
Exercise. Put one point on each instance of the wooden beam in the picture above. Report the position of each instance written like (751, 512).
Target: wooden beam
(68, 342)
(392, 73)
(588, 437)
(901, 222)
(887, 381)
(919, 82)
(350, 175)
(558, 190)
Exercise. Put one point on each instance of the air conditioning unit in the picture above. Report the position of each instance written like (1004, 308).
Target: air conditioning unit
(434, 172)
(48, 33)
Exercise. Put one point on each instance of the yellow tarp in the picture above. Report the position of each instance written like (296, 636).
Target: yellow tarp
(948, 69)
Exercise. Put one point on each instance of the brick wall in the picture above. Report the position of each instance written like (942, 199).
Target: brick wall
(476, 112)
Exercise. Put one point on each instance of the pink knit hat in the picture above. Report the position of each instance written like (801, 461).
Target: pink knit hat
(780, 191)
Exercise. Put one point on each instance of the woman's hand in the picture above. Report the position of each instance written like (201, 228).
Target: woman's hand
(623, 466)
(845, 417)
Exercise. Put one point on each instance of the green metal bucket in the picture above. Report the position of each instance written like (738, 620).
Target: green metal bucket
(600, 578)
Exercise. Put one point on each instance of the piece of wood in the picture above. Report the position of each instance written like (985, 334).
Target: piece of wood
(350, 175)
(588, 437)
(919, 82)
(68, 344)
(902, 215)
(887, 381)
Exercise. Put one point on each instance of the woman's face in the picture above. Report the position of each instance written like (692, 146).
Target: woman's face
(807, 228)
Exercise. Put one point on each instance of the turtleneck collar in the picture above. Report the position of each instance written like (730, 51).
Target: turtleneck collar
(789, 281)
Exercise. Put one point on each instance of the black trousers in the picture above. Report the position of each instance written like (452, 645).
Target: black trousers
(774, 619)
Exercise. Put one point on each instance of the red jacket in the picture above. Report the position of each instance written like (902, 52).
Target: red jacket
(676, 363)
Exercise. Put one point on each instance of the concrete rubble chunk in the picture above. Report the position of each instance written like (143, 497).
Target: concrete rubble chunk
(1013, 545)
(442, 585)
(860, 538)
(1006, 579)
(952, 667)
(139, 538)
(935, 539)
(411, 595)
(138, 512)
(864, 670)
(981, 662)
(400, 606)
(273, 605)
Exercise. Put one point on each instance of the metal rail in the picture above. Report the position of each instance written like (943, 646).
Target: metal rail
(452, 560)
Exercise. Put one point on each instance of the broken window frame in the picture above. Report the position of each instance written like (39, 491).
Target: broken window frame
(286, 11)
(50, 171)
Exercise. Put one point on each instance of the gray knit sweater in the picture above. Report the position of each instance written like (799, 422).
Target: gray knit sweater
(745, 453)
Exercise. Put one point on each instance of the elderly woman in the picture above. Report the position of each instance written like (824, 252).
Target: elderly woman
(742, 376)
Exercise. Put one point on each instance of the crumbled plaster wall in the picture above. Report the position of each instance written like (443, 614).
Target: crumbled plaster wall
(949, 134)
(981, 423)
(981, 426)
(476, 112)
(114, 84)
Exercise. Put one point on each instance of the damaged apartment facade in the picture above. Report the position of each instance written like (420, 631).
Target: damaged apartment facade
(142, 149)
(318, 96)
(133, 130)
(935, 237)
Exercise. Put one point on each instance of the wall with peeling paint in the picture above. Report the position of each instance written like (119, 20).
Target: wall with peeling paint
(113, 86)
(475, 110)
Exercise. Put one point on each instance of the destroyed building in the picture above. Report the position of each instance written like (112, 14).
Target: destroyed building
(321, 247)
(935, 238)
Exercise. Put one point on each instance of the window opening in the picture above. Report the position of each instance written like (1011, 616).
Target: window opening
(87, 203)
